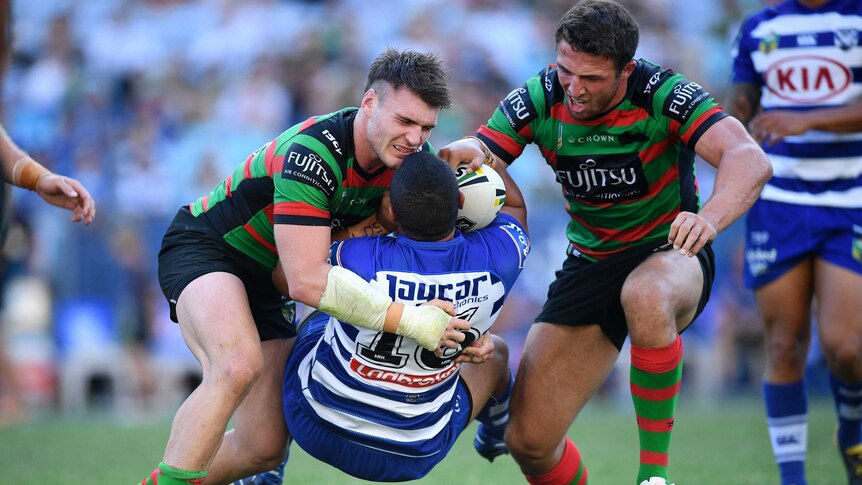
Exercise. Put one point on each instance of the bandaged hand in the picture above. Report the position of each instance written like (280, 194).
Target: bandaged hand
(429, 325)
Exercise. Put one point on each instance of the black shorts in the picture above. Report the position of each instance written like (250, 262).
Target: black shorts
(588, 293)
(191, 249)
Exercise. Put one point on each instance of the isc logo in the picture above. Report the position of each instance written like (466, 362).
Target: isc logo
(807, 79)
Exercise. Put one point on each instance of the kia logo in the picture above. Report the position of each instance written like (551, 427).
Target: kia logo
(807, 79)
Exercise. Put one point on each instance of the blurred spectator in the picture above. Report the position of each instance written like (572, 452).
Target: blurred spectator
(144, 100)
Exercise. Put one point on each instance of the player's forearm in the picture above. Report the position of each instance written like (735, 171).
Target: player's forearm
(19, 168)
(843, 120)
(369, 226)
(742, 173)
(515, 203)
(742, 102)
(351, 299)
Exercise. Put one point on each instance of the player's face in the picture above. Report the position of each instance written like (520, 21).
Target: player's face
(592, 83)
(400, 122)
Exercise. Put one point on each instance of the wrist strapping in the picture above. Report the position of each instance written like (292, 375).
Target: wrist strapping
(27, 172)
(424, 324)
(351, 299)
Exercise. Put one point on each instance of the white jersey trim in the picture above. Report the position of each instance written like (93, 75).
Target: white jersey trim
(360, 425)
(850, 199)
(816, 170)
(805, 24)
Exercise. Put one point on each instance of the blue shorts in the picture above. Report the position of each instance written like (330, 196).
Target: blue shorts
(351, 453)
(779, 236)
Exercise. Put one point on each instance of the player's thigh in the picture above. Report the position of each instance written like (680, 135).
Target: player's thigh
(481, 379)
(561, 367)
(839, 308)
(259, 420)
(667, 286)
(785, 302)
(216, 321)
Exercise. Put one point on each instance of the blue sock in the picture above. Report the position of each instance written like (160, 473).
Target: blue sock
(495, 414)
(493, 419)
(787, 420)
(848, 404)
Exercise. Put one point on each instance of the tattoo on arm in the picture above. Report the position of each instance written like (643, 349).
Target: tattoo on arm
(743, 101)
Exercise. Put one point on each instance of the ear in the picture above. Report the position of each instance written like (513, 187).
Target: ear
(390, 213)
(369, 99)
(460, 199)
(628, 70)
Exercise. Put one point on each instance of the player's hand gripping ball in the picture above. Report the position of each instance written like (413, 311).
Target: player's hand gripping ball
(484, 195)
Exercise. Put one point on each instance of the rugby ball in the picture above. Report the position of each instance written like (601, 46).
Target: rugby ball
(484, 195)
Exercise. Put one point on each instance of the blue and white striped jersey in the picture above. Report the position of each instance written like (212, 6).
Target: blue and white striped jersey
(804, 59)
(384, 390)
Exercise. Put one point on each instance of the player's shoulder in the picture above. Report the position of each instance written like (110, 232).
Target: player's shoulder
(504, 226)
(334, 131)
(546, 83)
(645, 81)
(532, 100)
(505, 231)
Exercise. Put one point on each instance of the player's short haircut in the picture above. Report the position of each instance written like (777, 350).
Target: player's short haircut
(600, 28)
(424, 194)
(421, 73)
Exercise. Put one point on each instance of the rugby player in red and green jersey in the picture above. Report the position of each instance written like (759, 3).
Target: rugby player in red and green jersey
(621, 136)
(270, 223)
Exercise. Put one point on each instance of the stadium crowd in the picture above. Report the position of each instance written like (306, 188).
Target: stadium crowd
(149, 102)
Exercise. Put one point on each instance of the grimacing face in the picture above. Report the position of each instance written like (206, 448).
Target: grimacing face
(399, 124)
(591, 83)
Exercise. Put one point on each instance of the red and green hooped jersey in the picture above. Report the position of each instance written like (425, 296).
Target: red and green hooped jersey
(625, 175)
(307, 176)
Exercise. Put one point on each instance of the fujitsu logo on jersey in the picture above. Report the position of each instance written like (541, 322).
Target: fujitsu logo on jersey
(602, 178)
(304, 165)
(807, 79)
(687, 96)
(589, 177)
(309, 162)
(515, 101)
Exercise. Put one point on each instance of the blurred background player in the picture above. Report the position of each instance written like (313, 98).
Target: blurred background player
(378, 406)
(273, 217)
(796, 85)
(19, 169)
(621, 135)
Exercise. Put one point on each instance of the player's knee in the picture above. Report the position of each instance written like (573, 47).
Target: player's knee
(501, 351)
(265, 459)
(785, 351)
(644, 299)
(528, 446)
(239, 372)
(844, 358)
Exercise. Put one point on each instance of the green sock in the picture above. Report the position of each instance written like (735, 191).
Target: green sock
(168, 475)
(655, 381)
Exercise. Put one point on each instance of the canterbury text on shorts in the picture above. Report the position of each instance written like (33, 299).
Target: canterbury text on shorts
(780, 235)
(349, 452)
(191, 249)
(588, 293)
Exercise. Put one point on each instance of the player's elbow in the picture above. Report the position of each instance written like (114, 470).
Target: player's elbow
(760, 165)
(756, 163)
(306, 287)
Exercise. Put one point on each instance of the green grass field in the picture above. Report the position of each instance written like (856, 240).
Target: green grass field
(721, 442)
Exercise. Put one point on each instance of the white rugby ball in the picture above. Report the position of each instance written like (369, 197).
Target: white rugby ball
(484, 195)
